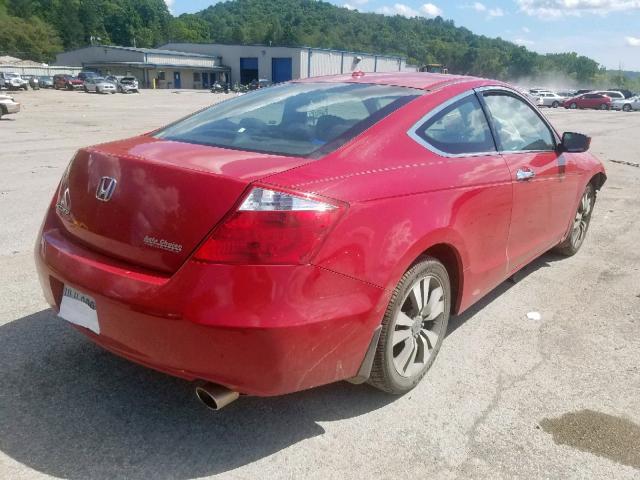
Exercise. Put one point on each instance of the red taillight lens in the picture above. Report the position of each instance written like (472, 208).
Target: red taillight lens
(271, 227)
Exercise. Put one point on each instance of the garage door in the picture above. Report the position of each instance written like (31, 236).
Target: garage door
(281, 70)
(248, 70)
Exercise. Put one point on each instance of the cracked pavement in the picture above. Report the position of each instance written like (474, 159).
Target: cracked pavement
(70, 410)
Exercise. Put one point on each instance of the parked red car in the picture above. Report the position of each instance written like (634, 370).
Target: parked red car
(68, 82)
(311, 232)
(588, 100)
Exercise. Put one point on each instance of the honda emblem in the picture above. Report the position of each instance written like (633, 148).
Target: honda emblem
(106, 187)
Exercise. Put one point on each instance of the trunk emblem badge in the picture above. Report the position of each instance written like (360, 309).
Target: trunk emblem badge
(106, 187)
(64, 204)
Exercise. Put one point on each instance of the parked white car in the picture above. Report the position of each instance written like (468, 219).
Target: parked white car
(13, 81)
(548, 99)
(626, 105)
(124, 84)
(8, 105)
(99, 85)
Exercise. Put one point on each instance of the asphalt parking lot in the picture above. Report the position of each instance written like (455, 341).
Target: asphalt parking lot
(507, 397)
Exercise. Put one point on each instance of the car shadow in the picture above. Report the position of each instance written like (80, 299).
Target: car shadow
(543, 261)
(71, 410)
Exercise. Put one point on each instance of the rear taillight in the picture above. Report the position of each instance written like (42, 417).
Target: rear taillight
(272, 227)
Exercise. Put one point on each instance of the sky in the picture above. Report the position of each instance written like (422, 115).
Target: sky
(606, 30)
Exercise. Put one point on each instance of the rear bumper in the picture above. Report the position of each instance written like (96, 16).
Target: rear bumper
(260, 330)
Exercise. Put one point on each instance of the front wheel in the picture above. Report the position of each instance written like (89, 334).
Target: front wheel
(573, 106)
(604, 106)
(626, 107)
(581, 221)
(555, 104)
(413, 327)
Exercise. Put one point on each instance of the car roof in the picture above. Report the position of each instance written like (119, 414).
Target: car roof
(423, 81)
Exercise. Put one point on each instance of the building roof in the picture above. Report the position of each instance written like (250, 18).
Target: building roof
(295, 47)
(423, 81)
(215, 68)
(153, 51)
(8, 60)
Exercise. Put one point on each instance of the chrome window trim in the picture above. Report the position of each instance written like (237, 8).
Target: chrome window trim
(535, 109)
(432, 113)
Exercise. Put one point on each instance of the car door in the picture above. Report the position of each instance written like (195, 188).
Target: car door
(543, 180)
(478, 185)
(592, 100)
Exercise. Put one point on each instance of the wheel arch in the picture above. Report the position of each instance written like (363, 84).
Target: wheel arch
(450, 257)
(598, 180)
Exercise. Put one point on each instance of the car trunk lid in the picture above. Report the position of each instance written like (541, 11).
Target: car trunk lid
(151, 202)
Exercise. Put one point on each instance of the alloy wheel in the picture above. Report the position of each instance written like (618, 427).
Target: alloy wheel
(418, 326)
(581, 221)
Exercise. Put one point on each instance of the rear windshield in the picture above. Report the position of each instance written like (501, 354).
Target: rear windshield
(299, 119)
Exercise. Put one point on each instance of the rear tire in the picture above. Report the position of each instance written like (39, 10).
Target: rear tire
(413, 327)
(580, 226)
(604, 106)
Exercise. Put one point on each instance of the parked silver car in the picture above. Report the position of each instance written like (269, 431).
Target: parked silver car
(45, 81)
(33, 81)
(13, 81)
(8, 105)
(99, 85)
(548, 99)
(124, 84)
(612, 94)
(626, 105)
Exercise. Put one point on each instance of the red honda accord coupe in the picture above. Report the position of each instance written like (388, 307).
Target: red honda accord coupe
(311, 232)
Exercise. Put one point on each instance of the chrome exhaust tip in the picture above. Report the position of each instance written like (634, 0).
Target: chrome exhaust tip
(215, 396)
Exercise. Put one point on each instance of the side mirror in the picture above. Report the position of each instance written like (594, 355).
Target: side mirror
(575, 142)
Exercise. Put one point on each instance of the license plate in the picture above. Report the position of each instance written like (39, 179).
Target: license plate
(79, 308)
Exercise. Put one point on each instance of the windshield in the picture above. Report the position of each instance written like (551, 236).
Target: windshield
(128, 80)
(300, 119)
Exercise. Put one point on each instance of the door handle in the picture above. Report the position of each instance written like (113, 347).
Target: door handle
(522, 175)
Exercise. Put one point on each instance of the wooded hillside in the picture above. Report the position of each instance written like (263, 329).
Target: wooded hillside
(37, 29)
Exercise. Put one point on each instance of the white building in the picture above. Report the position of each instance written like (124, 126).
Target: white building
(194, 65)
(279, 64)
(153, 67)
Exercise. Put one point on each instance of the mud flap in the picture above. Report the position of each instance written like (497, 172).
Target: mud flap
(367, 363)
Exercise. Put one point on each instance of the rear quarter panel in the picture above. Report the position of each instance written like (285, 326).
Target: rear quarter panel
(404, 199)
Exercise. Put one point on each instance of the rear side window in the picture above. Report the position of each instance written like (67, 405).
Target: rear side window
(518, 127)
(460, 128)
(300, 119)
